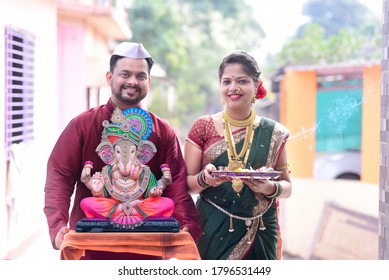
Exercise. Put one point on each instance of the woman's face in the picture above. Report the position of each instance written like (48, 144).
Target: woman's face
(237, 88)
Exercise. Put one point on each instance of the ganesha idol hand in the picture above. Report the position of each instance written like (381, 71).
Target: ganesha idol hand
(96, 184)
(86, 172)
(156, 192)
(166, 175)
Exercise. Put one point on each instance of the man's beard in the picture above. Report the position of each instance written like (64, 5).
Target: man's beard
(132, 99)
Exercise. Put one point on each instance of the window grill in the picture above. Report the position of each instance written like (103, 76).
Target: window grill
(19, 88)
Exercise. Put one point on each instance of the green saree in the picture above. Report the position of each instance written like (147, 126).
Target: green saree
(217, 205)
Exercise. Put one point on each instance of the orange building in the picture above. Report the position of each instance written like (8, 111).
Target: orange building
(303, 91)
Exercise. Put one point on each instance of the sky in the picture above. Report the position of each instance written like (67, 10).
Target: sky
(280, 19)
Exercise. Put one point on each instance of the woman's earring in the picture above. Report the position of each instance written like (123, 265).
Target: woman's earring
(253, 100)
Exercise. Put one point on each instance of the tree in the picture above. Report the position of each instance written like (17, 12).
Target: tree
(333, 35)
(335, 15)
(188, 38)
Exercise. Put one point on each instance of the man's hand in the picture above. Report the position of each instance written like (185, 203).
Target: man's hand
(60, 236)
(185, 229)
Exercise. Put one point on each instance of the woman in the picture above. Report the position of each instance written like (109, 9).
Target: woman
(238, 216)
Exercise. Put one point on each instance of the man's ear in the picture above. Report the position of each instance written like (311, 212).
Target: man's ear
(108, 77)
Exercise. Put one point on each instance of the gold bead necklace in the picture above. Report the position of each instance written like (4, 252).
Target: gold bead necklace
(240, 123)
(234, 159)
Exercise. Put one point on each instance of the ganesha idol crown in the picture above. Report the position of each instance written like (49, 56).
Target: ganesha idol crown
(134, 125)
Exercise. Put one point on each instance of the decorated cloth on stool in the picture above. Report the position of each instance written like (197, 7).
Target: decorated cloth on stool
(166, 245)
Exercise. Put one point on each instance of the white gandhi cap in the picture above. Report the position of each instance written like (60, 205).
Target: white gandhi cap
(131, 50)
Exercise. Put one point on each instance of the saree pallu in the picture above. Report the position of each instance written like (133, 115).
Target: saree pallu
(217, 242)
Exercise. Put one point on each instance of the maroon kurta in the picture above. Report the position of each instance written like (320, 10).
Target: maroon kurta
(77, 144)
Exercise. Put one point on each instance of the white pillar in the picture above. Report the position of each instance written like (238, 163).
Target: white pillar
(384, 143)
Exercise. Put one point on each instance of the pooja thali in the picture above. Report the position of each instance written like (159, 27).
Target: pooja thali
(258, 175)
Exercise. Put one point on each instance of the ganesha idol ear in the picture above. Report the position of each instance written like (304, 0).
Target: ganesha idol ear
(147, 151)
(105, 152)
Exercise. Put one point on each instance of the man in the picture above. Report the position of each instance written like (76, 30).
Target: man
(129, 79)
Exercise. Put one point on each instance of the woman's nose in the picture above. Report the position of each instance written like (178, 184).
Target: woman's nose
(233, 86)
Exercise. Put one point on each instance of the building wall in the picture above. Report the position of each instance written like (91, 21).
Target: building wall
(71, 72)
(370, 156)
(298, 114)
(21, 196)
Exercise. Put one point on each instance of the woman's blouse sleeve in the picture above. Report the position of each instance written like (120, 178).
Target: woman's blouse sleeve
(198, 131)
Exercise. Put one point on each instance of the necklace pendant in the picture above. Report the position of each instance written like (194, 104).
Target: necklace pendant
(234, 165)
(237, 185)
(127, 208)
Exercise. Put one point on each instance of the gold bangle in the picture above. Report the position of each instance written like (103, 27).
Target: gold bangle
(201, 180)
(282, 167)
(278, 192)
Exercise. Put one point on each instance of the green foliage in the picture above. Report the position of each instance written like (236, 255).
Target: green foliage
(188, 39)
(307, 49)
(334, 35)
(335, 15)
(155, 25)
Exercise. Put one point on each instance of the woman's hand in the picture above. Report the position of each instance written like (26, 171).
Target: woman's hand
(212, 180)
(264, 186)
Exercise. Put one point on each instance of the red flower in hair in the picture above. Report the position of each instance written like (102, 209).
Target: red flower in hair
(261, 91)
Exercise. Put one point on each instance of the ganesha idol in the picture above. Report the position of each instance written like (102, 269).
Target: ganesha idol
(125, 192)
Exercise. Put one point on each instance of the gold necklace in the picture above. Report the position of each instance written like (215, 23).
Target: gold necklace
(234, 159)
(240, 123)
